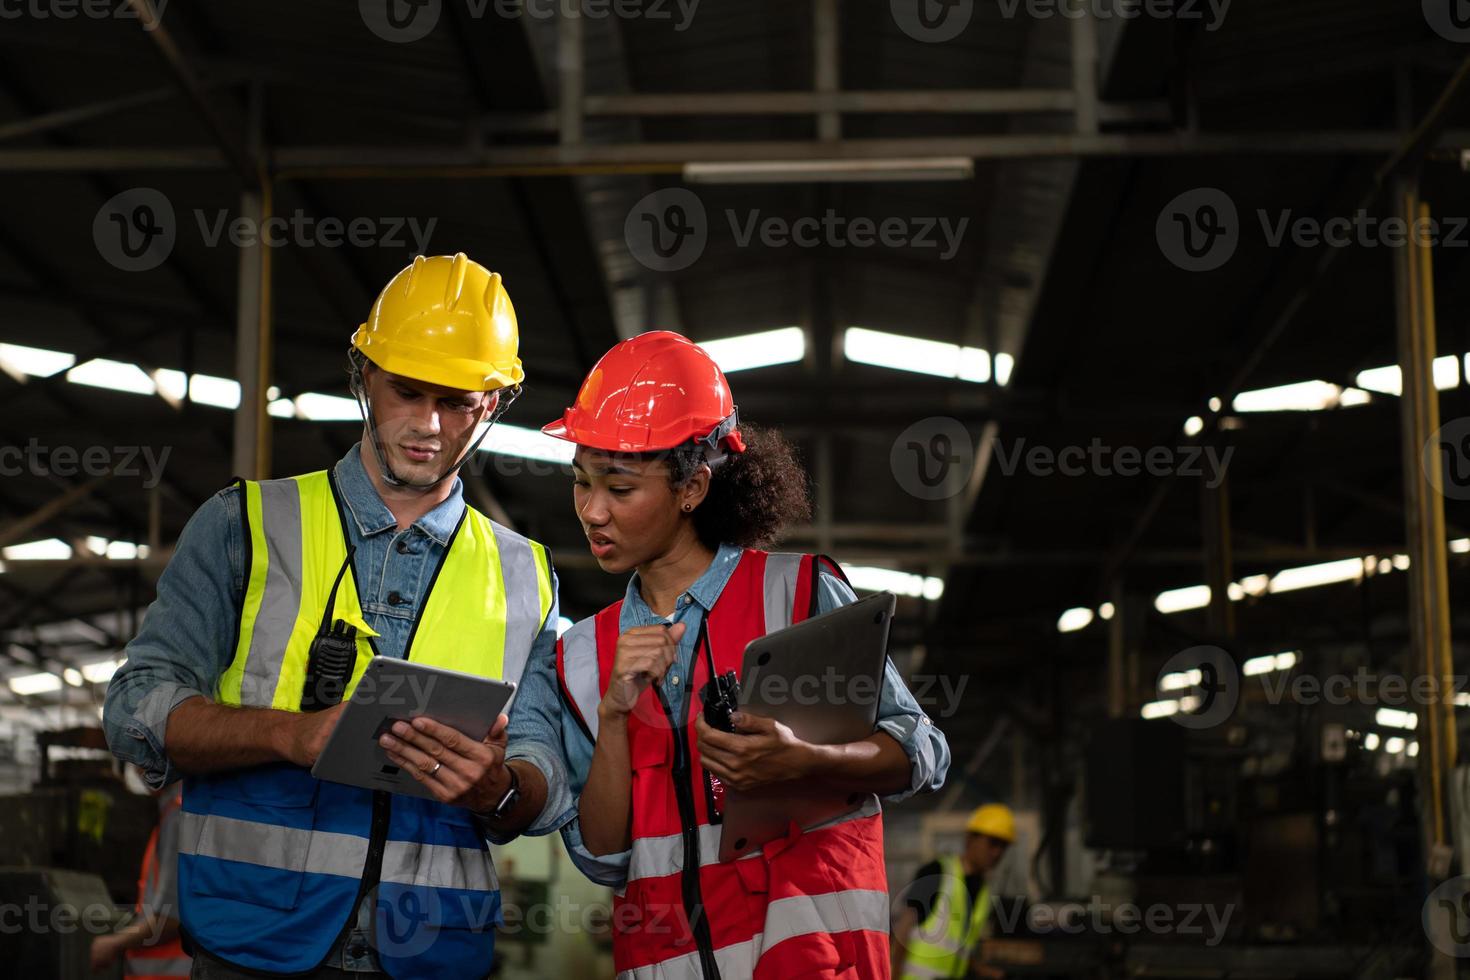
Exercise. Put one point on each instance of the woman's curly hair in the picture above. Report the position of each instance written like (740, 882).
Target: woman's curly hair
(753, 496)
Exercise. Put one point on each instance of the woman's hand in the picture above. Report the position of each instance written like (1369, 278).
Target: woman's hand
(644, 655)
(760, 753)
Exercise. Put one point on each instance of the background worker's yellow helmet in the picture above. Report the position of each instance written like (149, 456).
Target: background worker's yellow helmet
(445, 320)
(994, 820)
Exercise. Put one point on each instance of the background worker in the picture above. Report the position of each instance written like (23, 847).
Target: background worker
(150, 942)
(278, 595)
(946, 907)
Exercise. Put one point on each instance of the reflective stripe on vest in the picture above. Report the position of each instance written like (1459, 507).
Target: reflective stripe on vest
(576, 661)
(319, 852)
(786, 918)
(652, 857)
(941, 945)
(267, 852)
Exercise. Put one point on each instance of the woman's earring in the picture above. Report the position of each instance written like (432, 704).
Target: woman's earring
(688, 508)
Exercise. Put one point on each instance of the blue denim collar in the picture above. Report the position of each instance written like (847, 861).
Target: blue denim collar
(373, 516)
(705, 590)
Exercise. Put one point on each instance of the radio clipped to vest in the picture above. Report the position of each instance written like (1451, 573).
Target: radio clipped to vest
(332, 655)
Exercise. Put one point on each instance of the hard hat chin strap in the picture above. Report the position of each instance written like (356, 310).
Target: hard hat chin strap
(365, 406)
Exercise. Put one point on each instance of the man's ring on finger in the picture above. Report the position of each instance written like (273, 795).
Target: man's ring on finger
(436, 768)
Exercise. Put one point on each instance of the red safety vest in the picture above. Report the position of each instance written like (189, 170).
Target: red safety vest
(166, 959)
(811, 904)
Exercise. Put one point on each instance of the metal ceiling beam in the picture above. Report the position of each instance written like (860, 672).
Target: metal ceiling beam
(227, 136)
(955, 102)
(1406, 156)
(460, 162)
(13, 531)
(62, 118)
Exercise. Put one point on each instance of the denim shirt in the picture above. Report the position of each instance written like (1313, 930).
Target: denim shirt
(899, 714)
(188, 636)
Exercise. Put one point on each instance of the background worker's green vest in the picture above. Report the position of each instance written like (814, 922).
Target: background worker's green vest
(272, 862)
(942, 944)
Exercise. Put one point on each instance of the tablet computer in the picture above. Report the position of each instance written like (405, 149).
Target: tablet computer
(393, 690)
(822, 678)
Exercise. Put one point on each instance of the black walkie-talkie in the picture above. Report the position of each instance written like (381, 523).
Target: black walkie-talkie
(332, 655)
(721, 700)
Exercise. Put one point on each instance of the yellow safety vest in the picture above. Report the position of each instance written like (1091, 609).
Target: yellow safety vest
(292, 570)
(271, 860)
(942, 944)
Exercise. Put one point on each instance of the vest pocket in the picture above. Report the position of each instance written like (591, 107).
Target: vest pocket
(252, 839)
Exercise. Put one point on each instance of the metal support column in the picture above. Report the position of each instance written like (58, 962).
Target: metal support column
(1429, 621)
(826, 33)
(1219, 561)
(1084, 70)
(1117, 650)
(253, 342)
(570, 66)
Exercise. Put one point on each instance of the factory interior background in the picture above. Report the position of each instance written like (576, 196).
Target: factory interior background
(1126, 341)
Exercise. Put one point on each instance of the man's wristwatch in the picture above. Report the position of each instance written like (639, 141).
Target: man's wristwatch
(510, 799)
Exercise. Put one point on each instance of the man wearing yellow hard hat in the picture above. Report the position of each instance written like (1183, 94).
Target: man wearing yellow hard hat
(945, 908)
(278, 595)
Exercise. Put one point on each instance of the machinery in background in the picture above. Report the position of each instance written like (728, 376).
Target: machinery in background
(1275, 845)
(52, 917)
(79, 816)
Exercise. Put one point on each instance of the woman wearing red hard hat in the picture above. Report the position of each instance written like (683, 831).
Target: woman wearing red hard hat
(669, 486)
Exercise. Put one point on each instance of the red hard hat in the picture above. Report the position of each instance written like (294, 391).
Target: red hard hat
(657, 391)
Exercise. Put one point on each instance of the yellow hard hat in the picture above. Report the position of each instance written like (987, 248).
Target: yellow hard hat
(994, 820)
(445, 320)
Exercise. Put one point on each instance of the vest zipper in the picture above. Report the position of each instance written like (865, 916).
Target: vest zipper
(689, 878)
